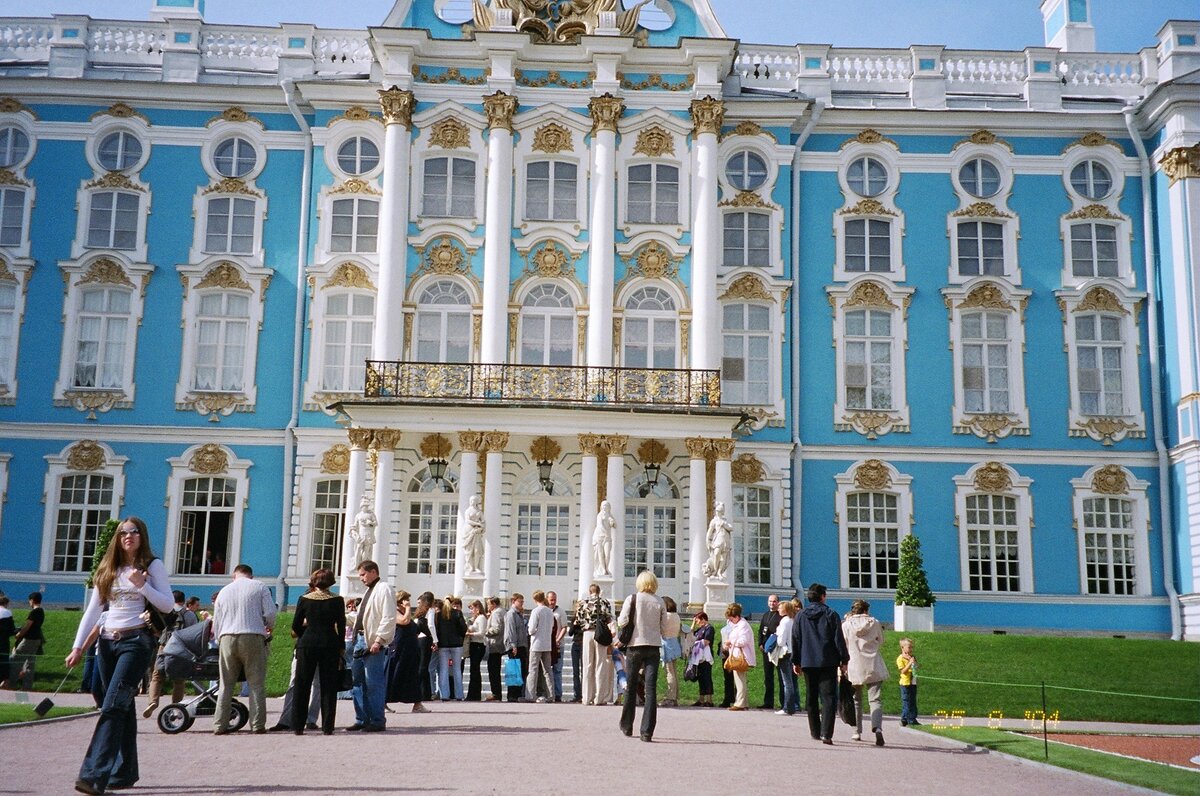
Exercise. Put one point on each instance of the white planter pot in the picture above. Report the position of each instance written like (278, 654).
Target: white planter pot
(912, 619)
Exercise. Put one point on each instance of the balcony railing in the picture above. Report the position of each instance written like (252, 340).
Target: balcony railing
(542, 385)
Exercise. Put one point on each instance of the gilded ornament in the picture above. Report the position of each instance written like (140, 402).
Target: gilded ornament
(397, 106)
(551, 262)
(869, 424)
(984, 138)
(1109, 429)
(360, 438)
(867, 207)
(581, 334)
(747, 469)
(872, 475)
(115, 179)
(470, 441)
(210, 459)
(500, 108)
(5, 274)
(981, 210)
(231, 185)
(105, 271)
(697, 447)
(746, 128)
(657, 81)
(445, 258)
(746, 199)
(1110, 480)
(119, 110)
(869, 294)
(9, 177)
(495, 441)
(723, 448)
(214, 404)
(553, 138)
(615, 444)
(987, 296)
(993, 477)
(652, 452)
(355, 113)
(224, 275)
(435, 446)
(86, 456)
(351, 276)
(1094, 139)
(13, 105)
(552, 78)
(93, 401)
(1093, 211)
(654, 261)
(605, 111)
(1181, 163)
(386, 439)
(336, 460)
(655, 142)
(989, 426)
(356, 185)
(747, 287)
(685, 329)
(545, 449)
(869, 136)
(1100, 299)
(476, 332)
(450, 133)
(451, 75)
(707, 115)
(588, 444)
(559, 23)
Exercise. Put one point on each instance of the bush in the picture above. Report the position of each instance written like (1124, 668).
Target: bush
(102, 542)
(912, 587)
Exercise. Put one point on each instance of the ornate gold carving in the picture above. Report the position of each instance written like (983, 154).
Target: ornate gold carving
(355, 113)
(500, 108)
(235, 114)
(747, 469)
(336, 460)
(869, 294)
(386, 439)
(1181, 163)
(450, 133)
(982, 137)
(397, 106)
(723, 448)
(605, 111)
(867, 207)
(1094, 139)
(987, 296)
(1108, 429)
(9, 177)
(869, 136)
(551, 262)
(13, 105)
(115, 179)
(214, 404)
(615, 444)
(872, 475)
(231, 185)
(445, 258)
(105, 271)
(356, 185)
(707, 115)
(1093, 211)
(747, 287)
(360, 438)
(5, 274)
(655, 142)
(581, 334)
(559, 23)
(981, 210)
(210, 459)
(685, 340)
(652, 452)
(1100, 299)
(451, 75)
(93, 401)
(655, 262)
(746, 128)
(495, 441)
(470, 441)
(697, 447)
(990, 426)
(552, 138)
(588, 443)
(746, 199)
(435, 446)
(1110, 480)
(545, 449)
(870, 424)
(657, 81)
(225, 276)
(86, 456)
(351, 276)
(552, 78)
(119, 110)
(476, 332)
(993, 477)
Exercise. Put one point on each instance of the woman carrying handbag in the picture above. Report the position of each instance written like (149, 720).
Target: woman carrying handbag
(740, 647)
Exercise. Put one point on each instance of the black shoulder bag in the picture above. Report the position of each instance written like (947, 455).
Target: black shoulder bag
(626, 634)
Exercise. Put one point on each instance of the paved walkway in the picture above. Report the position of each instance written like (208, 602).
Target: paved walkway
(535, 749)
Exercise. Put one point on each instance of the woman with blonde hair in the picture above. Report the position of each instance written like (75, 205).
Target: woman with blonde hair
(739, 644)
(646, 612)
(129, 581)
(450, 628)
(782, 657)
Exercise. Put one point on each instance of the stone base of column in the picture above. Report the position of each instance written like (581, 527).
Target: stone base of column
(718, 596)
(472, 589)
(605, 582)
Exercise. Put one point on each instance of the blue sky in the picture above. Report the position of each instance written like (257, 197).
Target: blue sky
(1121, 25)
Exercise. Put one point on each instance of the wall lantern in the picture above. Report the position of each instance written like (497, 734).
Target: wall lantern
(545, 451)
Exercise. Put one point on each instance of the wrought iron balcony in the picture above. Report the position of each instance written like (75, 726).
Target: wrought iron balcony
(543, 384)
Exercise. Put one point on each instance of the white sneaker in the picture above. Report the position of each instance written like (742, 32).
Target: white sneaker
(781, 713)
(540, 700)
(856, 737)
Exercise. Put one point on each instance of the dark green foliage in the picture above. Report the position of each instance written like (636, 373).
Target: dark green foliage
(912, 587)
(102, 542)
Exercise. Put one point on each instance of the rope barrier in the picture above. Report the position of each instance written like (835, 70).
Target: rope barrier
(1059, 687)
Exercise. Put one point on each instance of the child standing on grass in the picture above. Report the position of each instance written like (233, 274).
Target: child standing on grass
(907, 664)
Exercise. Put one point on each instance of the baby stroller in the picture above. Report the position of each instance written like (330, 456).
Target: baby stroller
(186, 655)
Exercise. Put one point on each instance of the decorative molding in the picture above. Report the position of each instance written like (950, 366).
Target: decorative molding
(105, 271)
(119, 110)
(1093, 140)
(867, 207)
(747, 287)
(551, 262)
(86, 456)
(869, 294)
(9, 177)
(553, 138)
(386, 439)
(470, 441)
(991, 427)
(1093, 211)
(360, 438)
(209, 459)
(1100, 299)
(1110, 480)
(214, 405)
(652, 452)
(993, 477)
(655, 142)
(869, 136)
(224, 275)
(397, 106)
(605, 111)
(545, 449)
(746, 128)
(653, 261)
(872, 475)
(234, 114)
(552, 78)
(1107, 430)
(1181, 163)
(981, 210)
(355, 113)
(435, 446)
(656, 81)
(115, 179)
(14, 105)
(708, 115)
(747, 469)
(5, 274)
(722, 449)
(614, 444)
(871, 424)
(983, 138)
(443, 258)
(92, 401)
(500, 108)
(987, 296)
(450, 133)
(356, 185)
(561, 22)
(349, 275)
(231, 185)
(697, 447)
(451, 75)
(336, 460)
(747, 199)
(588, 443)
(495, 441)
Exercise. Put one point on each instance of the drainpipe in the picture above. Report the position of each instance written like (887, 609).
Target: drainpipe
(797, 462)
(289, 440)
(1153, 316)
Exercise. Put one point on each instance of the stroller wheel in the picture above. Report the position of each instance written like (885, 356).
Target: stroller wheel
(174, 719)
(239, 715)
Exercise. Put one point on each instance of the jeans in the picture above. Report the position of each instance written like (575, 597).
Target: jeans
(112, 755)
(908, 703)
(641, 664)
(821, 700)
(449, 660)
(875, 702)
(245, 654)
(370, 686)
(790, 700)
(558, 667)
(577, 668)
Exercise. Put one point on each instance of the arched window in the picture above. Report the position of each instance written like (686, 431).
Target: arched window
(443, 323)
(650, 330)
(547, 319)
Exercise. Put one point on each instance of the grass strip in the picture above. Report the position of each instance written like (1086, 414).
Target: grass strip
(12, 713)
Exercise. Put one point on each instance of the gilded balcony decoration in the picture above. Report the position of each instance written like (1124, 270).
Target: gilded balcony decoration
(210, 459)
(450, 133)
(605, 111)
(397, 106)
(707, 115)
(336, 460)
(500, 108)
(559, 22)
(1181, 163)
(86, 456)
(553, 138)
(993, 477)
(655, 142)
(542, 384)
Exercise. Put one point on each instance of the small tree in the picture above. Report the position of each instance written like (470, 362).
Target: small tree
(102, 542)
(912, 587)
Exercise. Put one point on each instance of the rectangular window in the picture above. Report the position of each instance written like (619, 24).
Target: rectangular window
(85, 502)
(1108, 546)
(993, 557)
(747, 240)
(752, 535)
(449, 188)
(1099, 352)
(206, 526)
(355, 225)
(980, 248)
(12, 216)
(550, 191)
(873, 534)
(543, 539)
(868, 342)
(746, 355)
(100, 347)
(650, 540)
(222, 327)
(328, 521)
(432, 529)
(230, 227)
(112, 222)
(1094, 250)
(868, 245)
(349, 327)
(653, 194)
(8, 332)
(985, 361)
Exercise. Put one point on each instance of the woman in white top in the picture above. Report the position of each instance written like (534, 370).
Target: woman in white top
(645, 611)
(477, 647)
(129, 581)
(781, 656)
(738, 643)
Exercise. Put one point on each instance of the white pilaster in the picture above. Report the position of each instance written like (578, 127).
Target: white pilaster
(356, 485)
(697, 520)
(605, 111)
(589, 482)
(493, 497)
(616, 499)
(468, 485)
(497, 241)
(708, 113)
(388, 341)
(385, 469)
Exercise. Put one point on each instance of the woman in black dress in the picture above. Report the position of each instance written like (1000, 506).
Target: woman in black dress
(404, 657)
(320, 627)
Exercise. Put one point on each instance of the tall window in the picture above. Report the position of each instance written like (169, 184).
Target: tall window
(349, 327)
(985, 362)
(104, 318)
(222, 328)
(8, 332)
(112, 222)
(868, 245)
(868, 345)
(651, 527)
(449, 188)
(873, 530)
(650, 330)
(653, 194)
(432, 534)
(85, 502)
(550, 191)
(1094, 250)
(206, 526)
(444, 324)
(543, 539)
(752, 546)
(746, 354)
(230, 227)
(993, 557)
(747, 239)
(1109, 546)
(328, 521)
(1099, 355)
(12, 216)
(980, 248)
(355, 225)
(547, 320)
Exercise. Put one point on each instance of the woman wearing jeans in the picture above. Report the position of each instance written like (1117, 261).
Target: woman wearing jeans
(128, 579)
(451, 631)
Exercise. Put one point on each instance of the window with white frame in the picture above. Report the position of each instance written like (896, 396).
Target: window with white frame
(229, 228)
(995, 519)
(443, 324)
(1094, 250)
(868, 359)
(868, 245)
(650, 330)
(328, 523)
(432, 526)
(12, 216)
(1100, 363)
(103, 325)
(119, 151)
(1111, 519)
(746, 354)
(651, 527)
(873, 540)
(14, 146)
(355, 225)
(113, 220)
(206, 519)
(747, 239)
(985, 362)
(1092, 180)
(867, 176)
(234, 157)
(653, 194)
(8, 333)
(85, 503)
(980, 248)
(547, 320)
(357, 155)
(746, 171)
(543, 538)
(980, 178)
(222, 332)
(449, 188)
(551, 191)
(349, 325)
(753, 559)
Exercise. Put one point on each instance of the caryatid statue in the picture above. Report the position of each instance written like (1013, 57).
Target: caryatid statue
(720, 542)
(362, 531)
(473, 535)
(602, 540)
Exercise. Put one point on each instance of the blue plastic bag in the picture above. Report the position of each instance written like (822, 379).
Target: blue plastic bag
(512, 672)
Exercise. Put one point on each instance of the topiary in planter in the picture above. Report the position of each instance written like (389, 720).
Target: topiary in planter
(912, 587)
(102, 542)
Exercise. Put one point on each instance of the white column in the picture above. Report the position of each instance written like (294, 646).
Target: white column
(497, 236)
(468, 485)
(494, 442)
(697, 520)
(587, 510)
(723, 489)
(386, 440)
(388, 342)
(707, 114)
(605, 111)
(616, 500)
(356, 486)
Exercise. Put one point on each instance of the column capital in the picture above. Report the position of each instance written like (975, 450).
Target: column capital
(470, 441)
(605, 111)
(500, 108)
(360, 438)
(722, 448)
(397, 106)
(386, 439)
(697, 447)
(707, 115)
(615, 443)
(495, 441)
(588, 444)
(1181, 163)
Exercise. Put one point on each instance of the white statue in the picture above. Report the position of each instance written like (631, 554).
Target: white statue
(720, 541)
(602, 540)
(362, 531)
(472, 539)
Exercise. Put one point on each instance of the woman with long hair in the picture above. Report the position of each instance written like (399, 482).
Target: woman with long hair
(320, 627)
(129, 581)
(451, 631)
(404, 657)
(477, 646)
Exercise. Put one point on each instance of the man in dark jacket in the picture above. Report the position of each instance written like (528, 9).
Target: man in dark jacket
(818, 650)
(766, 629)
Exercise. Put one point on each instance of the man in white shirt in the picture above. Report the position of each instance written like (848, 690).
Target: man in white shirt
(243, 616)
(374, 627)
(560, 633)
(541, 640)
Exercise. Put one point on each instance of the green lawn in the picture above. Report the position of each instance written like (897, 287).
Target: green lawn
(1154, 776)
(12, 713)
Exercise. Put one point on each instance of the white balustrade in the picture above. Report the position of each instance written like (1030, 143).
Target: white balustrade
(768, 67)
(866, 70)
(1103, 74)
(240, 48)
(25, 40)
(138, 44)
(342, 51)
(974, 71)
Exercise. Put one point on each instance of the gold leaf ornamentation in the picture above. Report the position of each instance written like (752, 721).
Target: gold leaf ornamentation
(615, 444)
(981, 210)
(115, 179)
(434, 446)
(495, 441)
(500, 108)
(1100, 299)
(867, 207)
(107, 272)
(655, 142)
(551, 262)
(987, 296)
(5, 274)
(351, 276)
(869, 136)
(588, 443)
(1093, 139)
(746, 127)
(445, 258)
(210, 459)
(356, 185)
(1110, 480)
(989, 426)
(552, 78)
(1093, 211)
(1181, 163)
(708, 114)
(355, 113)
(360, 438)
(746, 199)
(397, 106)
(1108, 429)
(386, 439)
(605, 111)
(336, 460)
(231, 185)
(14, 105)
(9, 177)
(225, 276)
(545, 449)
(723, 448)
(86, 456)
(697, 447)
(747, 287)
(872, 475)
(553, 138)
(984, 138)
(869, 424)
(119, 110)
(657, 81)
(993, 477)
(747, 469)
(450, 133)
(93, 401)
(869, 294)
(655, 262)
(451, 75)
(470, 441)
(214, 404)
(652, 452)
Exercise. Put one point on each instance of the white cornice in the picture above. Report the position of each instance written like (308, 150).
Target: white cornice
(971, 456)
(943, 164)
(229, 435)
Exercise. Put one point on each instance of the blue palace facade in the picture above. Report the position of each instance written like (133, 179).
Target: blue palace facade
(296, 295)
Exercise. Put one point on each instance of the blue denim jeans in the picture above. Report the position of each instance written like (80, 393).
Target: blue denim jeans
(558, 669)
(449, 662)
(370, 686)
(908, 702)
(790, 701)
(111, 757)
